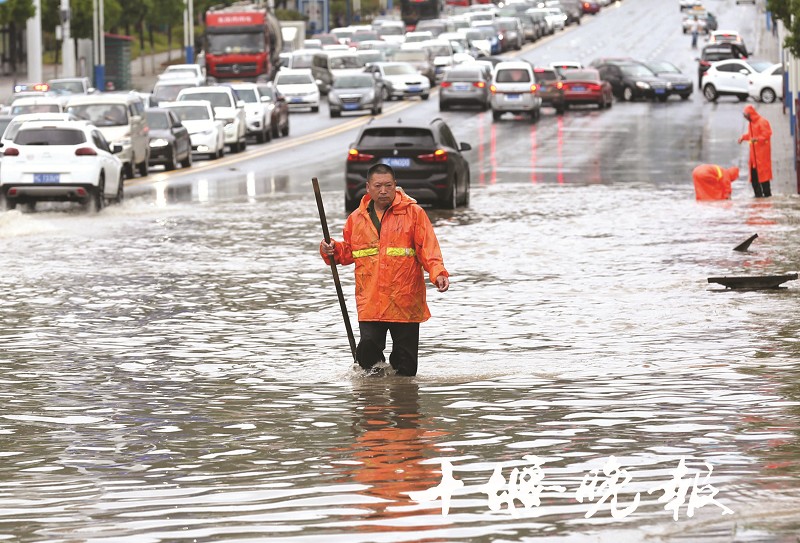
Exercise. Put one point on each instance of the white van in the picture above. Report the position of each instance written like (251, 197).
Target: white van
(329, 64)
(120, 118)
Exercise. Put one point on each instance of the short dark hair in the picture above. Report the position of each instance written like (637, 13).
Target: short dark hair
(380, 168)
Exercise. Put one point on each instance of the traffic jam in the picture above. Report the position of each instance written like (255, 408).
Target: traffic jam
(253, 86)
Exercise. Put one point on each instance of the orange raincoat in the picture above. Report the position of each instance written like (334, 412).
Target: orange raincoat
(760, 150)
(390, 286)
(712, 182)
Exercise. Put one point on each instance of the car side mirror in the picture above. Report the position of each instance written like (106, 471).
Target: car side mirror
(116, 149)
(465, 147)
(91, 90)
(744, 71)
(239, 104)
(266, 99)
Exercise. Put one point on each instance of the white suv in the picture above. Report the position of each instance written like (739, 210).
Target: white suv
(227, 108)
(256, 111)
(514, 90)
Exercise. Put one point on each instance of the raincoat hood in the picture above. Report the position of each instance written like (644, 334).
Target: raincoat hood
(751, 111)
(732, 173)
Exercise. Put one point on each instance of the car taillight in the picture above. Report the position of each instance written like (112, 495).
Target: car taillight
(85, 151)
(533, 88)
(445, 84)
(439, 155)
(11, 151)
(493, 89)
(479, 84)
(704, 63)
(593, 87)
(559, 85)
(355, 156)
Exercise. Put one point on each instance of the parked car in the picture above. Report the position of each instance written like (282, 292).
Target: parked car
(465, 85)
(400, 80)
(730, 78)
(228, 108)
(120, 118)
(514, 90)
(278, 109)
(357, 92)
(631, 80)
(584, 86)
(551, 88)
(67, 161)
(767, 85)
(169, 139)
(256, 111)
(298, 88)
(426, 158)
(206, 132)
(716, 53)
(419, 59)
(681, 83)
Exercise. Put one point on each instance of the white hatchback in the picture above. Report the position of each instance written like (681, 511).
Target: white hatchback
(766, 86)
(61, 161)
(205, 131)
(228, 108)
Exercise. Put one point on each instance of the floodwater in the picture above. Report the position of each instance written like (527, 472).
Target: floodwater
(180, 372)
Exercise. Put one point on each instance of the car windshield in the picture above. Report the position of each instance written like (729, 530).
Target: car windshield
(580, 75)
(35, 108)
(545, 75)
(513, 75)
(399, 69)
(717, 54)
(157, 120)
(216, 99)
(267, 91)
(391, 31)
(662, 67)
(293, 79)
(372, 56)
(474, 35)
(394, 137)
(487, 32)
(410, 56)
(352, 82)
(438, 50)
(635, 70)
(463, 75)
(219, 44)
(67, 87)
(168, 93)
(247, 95)
(101, 114)
(506, 25)
(326, 39)
(3, 125)
(344, 63)
(49, 136)
(191, 113)
(364, 36)
(301, 60)
(188, 72)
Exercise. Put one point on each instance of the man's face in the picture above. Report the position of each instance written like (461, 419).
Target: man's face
(747, 116)
(381, 188)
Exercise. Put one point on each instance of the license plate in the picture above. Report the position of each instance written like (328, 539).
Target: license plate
(461, 87)
(46, 178)
(660, 91)
(579, 88)
(414, 89)
(397, 162)
(513, 97)
(351, 106)
(680, 87)
(296, 100)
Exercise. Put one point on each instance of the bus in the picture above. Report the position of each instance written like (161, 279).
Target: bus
(412, 11)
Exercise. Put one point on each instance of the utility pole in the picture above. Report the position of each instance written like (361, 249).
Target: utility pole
(67, 45)
(98, 38)
(34, 41)
(188, 30)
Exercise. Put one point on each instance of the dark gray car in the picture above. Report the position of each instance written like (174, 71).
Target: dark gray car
(465, 85)
(355, 92)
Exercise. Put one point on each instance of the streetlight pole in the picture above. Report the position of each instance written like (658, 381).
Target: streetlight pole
(188, 31)
(98, 37)
(67, 45)
(34, 41)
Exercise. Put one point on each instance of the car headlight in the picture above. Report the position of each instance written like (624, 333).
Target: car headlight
(368, 97)
(669, 85)
(158, 142)
(333, 98)
(642, 85)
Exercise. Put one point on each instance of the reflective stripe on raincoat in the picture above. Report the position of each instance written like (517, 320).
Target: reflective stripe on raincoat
(390, 285)
(760, 151)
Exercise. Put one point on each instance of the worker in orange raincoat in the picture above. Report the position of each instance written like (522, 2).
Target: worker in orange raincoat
(712, 182)
(758, 136)
(390, 239)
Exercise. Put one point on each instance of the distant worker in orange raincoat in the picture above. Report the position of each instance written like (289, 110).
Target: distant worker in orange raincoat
(390, 239)
(711, 182)
(758, 136)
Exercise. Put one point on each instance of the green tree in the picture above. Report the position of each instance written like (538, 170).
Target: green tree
(14, 13)
(788, 12)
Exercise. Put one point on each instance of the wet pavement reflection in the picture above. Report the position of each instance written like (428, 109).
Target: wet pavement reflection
(181, 372)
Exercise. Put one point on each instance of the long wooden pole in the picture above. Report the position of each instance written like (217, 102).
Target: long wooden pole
(334, 271)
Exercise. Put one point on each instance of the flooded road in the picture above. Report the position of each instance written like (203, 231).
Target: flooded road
(181, 373)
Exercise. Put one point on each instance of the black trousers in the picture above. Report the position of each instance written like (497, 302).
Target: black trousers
(761, 190)
(405, 345)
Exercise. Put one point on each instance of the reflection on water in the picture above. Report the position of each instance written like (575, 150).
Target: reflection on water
(180, 372)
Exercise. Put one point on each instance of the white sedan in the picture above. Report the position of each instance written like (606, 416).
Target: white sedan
(766, 86)
(206, 132)
(299, 88)
(67, 161)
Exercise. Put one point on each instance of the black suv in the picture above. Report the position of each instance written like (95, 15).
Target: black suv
(425, 156)
(631, 80)
(716, 52)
